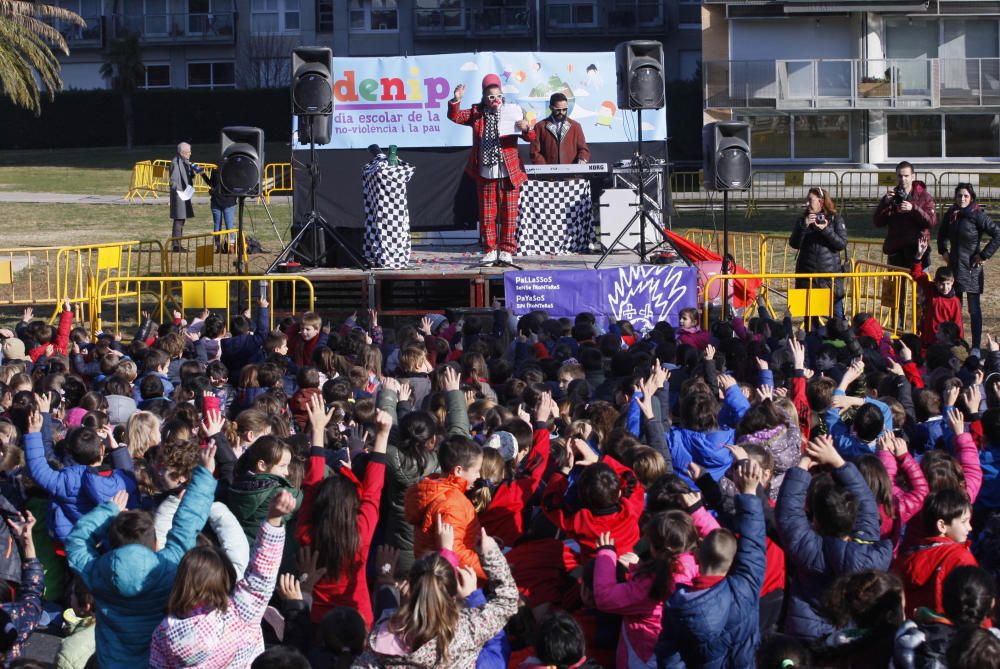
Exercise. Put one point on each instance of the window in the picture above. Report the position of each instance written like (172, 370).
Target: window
(211, 75)
(373, 15)
(689, 14)
(434, 15)
(90, 11)
(274, 16)
(801, 136)
(689, 66)
(572, 13)
(943, 135)
(157, 76)
(324, 16)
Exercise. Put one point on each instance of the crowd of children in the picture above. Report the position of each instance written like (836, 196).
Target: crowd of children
(500, 492)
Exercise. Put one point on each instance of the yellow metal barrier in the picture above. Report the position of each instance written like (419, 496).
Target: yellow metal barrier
(179, 292)
(867, 290)
(202, 253)
(687, 188)
(28, 276)
(141, 186)
(746, 248)
(277, 180)
(80, 268)
(882, 291)
(159, 177)
(791, 187)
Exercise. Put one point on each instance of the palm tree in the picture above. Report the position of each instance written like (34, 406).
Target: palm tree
(123, 66)
(24, 50)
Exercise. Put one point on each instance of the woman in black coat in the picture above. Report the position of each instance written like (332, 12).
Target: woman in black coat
(820, 237)
(960, 240)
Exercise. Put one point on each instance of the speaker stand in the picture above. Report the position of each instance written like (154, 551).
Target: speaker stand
(642, 215)
(315, 224)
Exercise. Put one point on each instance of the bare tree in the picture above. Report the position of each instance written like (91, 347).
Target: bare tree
(265, 61)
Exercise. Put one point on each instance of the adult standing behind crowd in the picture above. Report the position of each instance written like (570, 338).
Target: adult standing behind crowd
(559, 140)
(182, 172)
(820, 236)
(907, 210)
(960, 239)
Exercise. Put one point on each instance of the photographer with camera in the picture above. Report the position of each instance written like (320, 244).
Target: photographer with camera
(820, 237)
(907, 210)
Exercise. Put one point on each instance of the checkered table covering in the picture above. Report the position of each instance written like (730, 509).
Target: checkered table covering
(387, 214)
(555, 218)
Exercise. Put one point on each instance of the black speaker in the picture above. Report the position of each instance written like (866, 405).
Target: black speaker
(317, 129)
(726, 154)
(312, 81)
(639, 66)
(241, 168)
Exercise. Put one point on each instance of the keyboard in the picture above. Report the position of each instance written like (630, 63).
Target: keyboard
(571, 169)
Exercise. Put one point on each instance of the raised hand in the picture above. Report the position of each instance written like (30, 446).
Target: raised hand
(822, 451)
(445, 533)
(289, 588)
(319, 416)
(709, 352)
(487, 543)
(213, 422)
(605, 539)
(956, 421)
(405, 392)
(798, 353)
(466, 581)
(459, 92)
(307, 562)
(386, 558)
(451, 379)
(43, 401)
(282, 504)
(750, 476)
(35, 421)
(120, 499)
(207, 457)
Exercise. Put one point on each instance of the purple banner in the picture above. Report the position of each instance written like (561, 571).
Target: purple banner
(642, 294)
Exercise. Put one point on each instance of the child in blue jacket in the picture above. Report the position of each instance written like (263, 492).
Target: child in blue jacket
(132, 582)
(65, 486)
(842, 538)
(702, 440)
(871, 420)
(714, 621)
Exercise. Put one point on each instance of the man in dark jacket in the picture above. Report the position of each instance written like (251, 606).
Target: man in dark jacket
(714, 622)
(558, 138)
(908, 211)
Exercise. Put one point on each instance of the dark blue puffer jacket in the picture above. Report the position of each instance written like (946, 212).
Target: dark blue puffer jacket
(814, 561)
(720, 626)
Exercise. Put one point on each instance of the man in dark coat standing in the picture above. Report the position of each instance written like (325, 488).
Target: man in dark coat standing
(182, 173)
(908, 212)
(559, 139)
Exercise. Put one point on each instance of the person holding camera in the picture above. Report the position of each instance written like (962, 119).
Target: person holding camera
(820, 236)
(908, 211)
(960, 240)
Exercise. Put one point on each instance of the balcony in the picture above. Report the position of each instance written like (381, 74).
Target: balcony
(924, 83)
(620, 17)
(216, 27)
(77, 37)
(446, 22)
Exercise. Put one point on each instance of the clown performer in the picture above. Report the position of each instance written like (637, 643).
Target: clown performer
(495, 165)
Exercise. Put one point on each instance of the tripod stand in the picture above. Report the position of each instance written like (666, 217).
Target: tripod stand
(641, 215)
(316, 226)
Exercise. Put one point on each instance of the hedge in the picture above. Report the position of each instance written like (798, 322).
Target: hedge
(96, 118)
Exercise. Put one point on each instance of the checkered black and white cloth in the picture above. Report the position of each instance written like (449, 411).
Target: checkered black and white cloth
(555, 218)
(387, 214)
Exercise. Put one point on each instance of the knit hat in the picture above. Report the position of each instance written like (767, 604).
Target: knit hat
(74, 417)
(491, 80)
(13, 349)
(504, 442)
(436, 321)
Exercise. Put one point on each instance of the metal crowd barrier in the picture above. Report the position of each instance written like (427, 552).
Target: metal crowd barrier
(142, 180)
(277, 180)
(28, 276)
(161, 295)
(745, 247)
(202, 253)
(78, 269)
(789, 186)
(881, 292)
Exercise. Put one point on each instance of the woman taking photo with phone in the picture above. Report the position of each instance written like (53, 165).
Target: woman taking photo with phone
(820, 237)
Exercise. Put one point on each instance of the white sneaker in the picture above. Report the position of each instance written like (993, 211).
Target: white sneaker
(489, 257)
(506, 257)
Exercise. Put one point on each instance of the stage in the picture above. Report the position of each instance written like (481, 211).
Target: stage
(440, 278)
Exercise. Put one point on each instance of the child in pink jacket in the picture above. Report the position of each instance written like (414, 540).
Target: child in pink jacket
(673, 539)
(905, 503)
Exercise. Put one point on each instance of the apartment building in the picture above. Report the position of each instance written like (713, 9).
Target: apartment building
(857, 81)
(246, 43)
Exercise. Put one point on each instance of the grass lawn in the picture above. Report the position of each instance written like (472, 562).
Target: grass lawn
(98, 171)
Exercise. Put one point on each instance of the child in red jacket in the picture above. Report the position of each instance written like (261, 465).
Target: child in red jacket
(51, 341)
(611, 499)
(941, 305)
(947, 521)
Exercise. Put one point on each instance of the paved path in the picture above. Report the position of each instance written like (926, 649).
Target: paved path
(81, 198)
